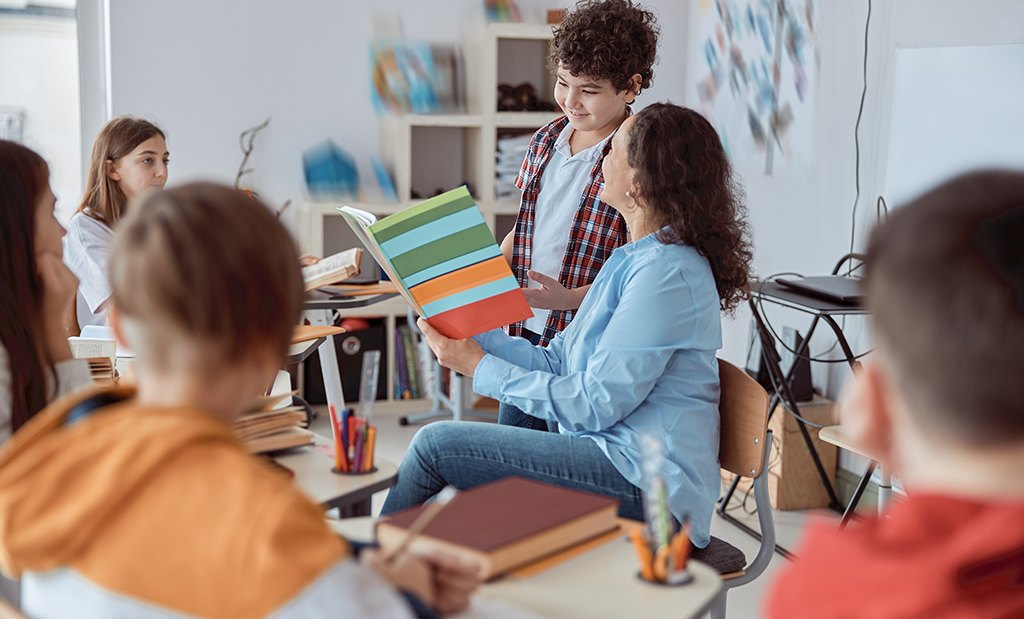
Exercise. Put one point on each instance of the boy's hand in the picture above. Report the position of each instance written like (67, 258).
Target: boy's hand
(552, 295)
(308, 260)
(59, 288)
(461, 356)
(440, 580)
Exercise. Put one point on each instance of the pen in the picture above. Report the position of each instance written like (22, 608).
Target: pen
(430, 510)
(337, 438)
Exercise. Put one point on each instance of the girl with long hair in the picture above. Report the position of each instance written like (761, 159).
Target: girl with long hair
(129, 158)
(37, 293)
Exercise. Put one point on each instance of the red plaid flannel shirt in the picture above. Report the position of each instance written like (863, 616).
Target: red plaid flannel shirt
(597, 228)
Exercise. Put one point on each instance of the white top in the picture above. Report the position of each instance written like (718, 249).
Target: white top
(86, 248)
(561, 191)
(71, 374)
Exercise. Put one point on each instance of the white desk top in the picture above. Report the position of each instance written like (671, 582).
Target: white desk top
(602, 582)
(312, 467)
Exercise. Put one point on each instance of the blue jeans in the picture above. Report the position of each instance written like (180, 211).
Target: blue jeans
(467, 454)
(509, 415)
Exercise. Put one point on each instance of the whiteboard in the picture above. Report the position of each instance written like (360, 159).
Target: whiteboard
(953, 109)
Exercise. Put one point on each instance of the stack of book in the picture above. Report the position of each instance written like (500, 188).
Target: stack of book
(274, 424)
(510, 155)
(99, 353)
(102, 369)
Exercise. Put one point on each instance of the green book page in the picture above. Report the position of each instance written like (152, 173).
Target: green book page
(415, 216)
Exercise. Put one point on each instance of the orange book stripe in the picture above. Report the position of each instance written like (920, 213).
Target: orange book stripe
(458, 281)
(490, 313)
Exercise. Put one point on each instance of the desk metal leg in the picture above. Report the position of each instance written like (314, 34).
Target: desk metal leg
(782, 385)
(884, 491)
(861, 485)
(328, 362)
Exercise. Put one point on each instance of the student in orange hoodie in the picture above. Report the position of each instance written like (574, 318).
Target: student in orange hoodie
(943, 407)
(143, 502)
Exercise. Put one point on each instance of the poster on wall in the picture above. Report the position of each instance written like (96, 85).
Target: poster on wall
(753, 67)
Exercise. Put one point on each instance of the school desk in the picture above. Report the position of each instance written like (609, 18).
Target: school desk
(349, 493)
(599, 581)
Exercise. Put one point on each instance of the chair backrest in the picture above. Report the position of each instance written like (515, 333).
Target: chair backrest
(743, 410)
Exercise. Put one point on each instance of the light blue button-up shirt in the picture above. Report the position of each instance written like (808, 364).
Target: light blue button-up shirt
(638, 360)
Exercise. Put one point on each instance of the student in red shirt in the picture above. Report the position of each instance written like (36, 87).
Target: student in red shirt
(942, 405)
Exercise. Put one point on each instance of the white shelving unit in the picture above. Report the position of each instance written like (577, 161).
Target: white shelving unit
(427, 152)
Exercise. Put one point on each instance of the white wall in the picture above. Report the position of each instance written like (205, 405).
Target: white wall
(40, 75)
(205, 71)
(804, 225)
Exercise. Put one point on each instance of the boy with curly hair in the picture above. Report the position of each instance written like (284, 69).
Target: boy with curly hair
(602, 55)
(942, 405)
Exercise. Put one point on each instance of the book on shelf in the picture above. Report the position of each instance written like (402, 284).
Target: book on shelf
(409, 358)
(332, 269)
(402, 391)
(507, 523)
(273, 424)
(445, 262)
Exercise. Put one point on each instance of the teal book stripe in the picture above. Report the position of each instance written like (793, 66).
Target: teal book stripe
(425, 212)
(452, 265)
(472, 295)
(429, 232)
(442, 250)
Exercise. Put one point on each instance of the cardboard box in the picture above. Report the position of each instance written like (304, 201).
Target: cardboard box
(793, 481)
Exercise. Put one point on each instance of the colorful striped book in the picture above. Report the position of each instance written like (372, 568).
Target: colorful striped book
(443, 259)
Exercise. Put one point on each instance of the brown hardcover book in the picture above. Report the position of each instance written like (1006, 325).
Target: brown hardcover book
(507, 523)
(332, 269)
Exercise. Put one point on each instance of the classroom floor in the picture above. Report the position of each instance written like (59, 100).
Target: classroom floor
(743, 603)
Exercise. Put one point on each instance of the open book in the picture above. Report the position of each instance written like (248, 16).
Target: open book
(443, 259)
(332, 269)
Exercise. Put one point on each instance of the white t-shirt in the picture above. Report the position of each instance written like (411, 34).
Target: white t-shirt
(86, 248)
(561, 191)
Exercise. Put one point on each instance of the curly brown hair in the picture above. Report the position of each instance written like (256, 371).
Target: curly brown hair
(607, 39)
(681, 173)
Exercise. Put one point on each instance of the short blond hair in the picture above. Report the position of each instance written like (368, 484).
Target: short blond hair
(205, 275)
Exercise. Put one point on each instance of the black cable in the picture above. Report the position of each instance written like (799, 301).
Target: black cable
(778, 338)
(856, 132)
(881, 210)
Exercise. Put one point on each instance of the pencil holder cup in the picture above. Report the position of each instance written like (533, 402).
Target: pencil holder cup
(372, 469)
(673, 579)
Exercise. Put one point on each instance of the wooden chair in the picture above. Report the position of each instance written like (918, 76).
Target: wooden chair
(743, 450)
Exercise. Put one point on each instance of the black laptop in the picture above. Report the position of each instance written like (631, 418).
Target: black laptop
(836, 288)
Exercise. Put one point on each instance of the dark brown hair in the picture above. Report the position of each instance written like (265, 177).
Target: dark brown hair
(607, 40)
(684, 176)
(23, 179)
(945, 282)
(119, 137)
(209, 266)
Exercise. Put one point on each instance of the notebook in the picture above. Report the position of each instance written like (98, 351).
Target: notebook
(507, 523)
(836, 288)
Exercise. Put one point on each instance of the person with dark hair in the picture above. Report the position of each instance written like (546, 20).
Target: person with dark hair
(141, 500)
(638, 362)
(129, 158)
(602, 56)
(942, 406)
(37, 293)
